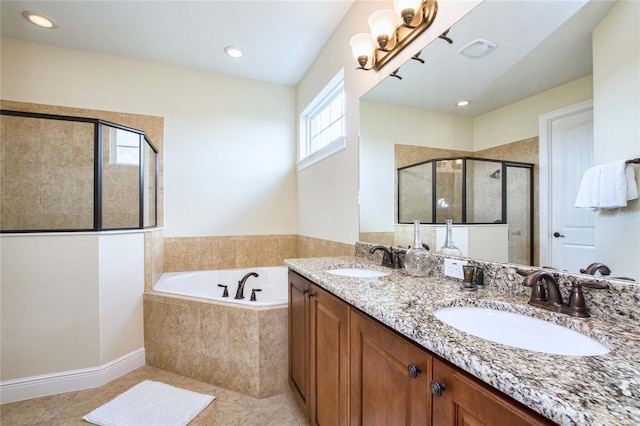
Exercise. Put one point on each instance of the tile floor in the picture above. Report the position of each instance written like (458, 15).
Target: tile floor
(228, 409)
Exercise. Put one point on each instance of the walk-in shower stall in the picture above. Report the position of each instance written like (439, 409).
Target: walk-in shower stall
(471, 190)
(62, 173)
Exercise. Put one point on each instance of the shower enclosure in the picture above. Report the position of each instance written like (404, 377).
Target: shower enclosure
(62, 173)
(470, 191)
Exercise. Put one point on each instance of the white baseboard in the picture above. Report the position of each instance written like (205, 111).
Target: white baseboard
(69, 381)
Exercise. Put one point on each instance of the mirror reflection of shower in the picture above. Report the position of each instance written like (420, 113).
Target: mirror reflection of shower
(458, 188)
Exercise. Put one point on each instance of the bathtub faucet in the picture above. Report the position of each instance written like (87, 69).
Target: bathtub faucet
(241, 283)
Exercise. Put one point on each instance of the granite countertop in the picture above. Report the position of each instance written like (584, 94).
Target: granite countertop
(570, 390)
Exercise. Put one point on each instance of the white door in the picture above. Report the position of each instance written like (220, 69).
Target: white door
(572, 239)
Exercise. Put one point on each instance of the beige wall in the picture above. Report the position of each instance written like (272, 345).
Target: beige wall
(327, 192)
(616, 110)
(217, 129)
(77, 304)
(520, 120)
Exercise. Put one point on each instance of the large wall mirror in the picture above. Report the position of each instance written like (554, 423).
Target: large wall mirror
(524, 59)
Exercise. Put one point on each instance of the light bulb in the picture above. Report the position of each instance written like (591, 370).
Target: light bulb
(383, 24)
(407, 9)
(39, 19)
(362, 47)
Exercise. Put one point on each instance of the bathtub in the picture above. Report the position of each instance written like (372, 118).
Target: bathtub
(272, 281)
(240, 345)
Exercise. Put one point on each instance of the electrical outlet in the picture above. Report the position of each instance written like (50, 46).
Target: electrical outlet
(453, 268)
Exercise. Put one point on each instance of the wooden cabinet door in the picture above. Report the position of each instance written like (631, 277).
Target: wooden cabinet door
(329, 359)
(466, 401)
(382, 389)
(299, 339)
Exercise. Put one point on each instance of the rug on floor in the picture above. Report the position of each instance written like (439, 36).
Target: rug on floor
(150, 403)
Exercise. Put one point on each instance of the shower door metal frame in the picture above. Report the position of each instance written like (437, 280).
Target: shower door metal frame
(97, 171)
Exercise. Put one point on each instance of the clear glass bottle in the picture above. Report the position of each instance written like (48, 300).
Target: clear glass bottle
(449, 248)
(417, 260)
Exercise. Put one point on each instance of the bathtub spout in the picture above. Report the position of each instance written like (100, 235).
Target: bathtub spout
(241, 283)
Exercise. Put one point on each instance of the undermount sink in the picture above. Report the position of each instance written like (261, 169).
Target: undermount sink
(520, 331)
(357, 272)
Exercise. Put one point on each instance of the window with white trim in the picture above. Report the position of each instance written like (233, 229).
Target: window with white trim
(322, 124)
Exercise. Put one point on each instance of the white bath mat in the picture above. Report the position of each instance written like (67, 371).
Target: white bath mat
(150, 403)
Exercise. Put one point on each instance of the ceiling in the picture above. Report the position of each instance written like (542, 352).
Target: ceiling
(280, 39)
(540, 45)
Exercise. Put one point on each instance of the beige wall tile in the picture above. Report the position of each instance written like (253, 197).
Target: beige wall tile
(34, 154)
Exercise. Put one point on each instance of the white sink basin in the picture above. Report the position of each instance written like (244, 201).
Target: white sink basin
(357, 272)
(520, 331)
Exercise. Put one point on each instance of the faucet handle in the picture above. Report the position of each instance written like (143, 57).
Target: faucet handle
(577, 304)
(253, 294)
(225, 293)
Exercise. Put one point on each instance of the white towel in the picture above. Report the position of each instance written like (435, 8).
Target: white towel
(612, 190)
(632, 186)
(588, 192)
(607, 186)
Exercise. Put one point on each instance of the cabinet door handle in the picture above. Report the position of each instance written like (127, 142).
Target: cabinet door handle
(437, 388)
(305, 292)
(311, 295)
(414, 370)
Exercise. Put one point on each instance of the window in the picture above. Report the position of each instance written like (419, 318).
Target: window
(125, 147)
(322, 124)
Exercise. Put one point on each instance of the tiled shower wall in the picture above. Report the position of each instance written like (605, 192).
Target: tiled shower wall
(46, 174)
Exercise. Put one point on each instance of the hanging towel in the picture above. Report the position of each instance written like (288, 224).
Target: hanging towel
(588, 193)
(632, 186)
(608, 186)
(612, 191)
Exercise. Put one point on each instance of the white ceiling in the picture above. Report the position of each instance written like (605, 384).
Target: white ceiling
(540, 45)
(280, 39)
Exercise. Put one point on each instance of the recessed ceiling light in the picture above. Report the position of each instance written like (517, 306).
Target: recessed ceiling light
(463, 103)
(39, 20)
(233, 51)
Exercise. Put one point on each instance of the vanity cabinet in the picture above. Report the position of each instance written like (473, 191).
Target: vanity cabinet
(389, 376)
(319, 352)
(347, 368)
(459, 399)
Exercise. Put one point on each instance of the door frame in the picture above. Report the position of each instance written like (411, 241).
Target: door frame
(545, 122)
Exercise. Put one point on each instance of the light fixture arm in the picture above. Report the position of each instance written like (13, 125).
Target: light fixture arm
(444, 36)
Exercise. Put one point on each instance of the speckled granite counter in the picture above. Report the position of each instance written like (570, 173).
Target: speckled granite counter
(570, 390)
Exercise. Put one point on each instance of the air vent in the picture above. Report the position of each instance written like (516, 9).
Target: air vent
(477, 48)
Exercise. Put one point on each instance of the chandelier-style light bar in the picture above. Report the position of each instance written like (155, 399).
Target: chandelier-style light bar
(391, 31)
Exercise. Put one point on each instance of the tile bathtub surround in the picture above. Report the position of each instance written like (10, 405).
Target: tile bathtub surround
(568, 390)
(242, 348)
(153, 257)
(244, 251)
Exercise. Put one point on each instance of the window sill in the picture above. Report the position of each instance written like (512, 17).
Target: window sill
(324, 152)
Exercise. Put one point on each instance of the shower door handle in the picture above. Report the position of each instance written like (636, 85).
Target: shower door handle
(558, 235)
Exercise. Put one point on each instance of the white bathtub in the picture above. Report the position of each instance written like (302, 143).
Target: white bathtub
(204, 284)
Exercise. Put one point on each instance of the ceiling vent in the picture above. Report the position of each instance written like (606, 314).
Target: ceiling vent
(477, 48)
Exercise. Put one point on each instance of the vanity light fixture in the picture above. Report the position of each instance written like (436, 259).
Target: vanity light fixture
(391, 31)
(233, 51)
(39, 19)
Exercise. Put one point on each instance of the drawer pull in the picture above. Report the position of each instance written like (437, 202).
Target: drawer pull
(437, 388)
(414, 370)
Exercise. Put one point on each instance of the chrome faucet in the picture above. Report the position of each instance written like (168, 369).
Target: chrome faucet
(546, 293)
(242, 282)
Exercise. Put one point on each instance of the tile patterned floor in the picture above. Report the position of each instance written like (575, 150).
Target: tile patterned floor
(228, 409)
